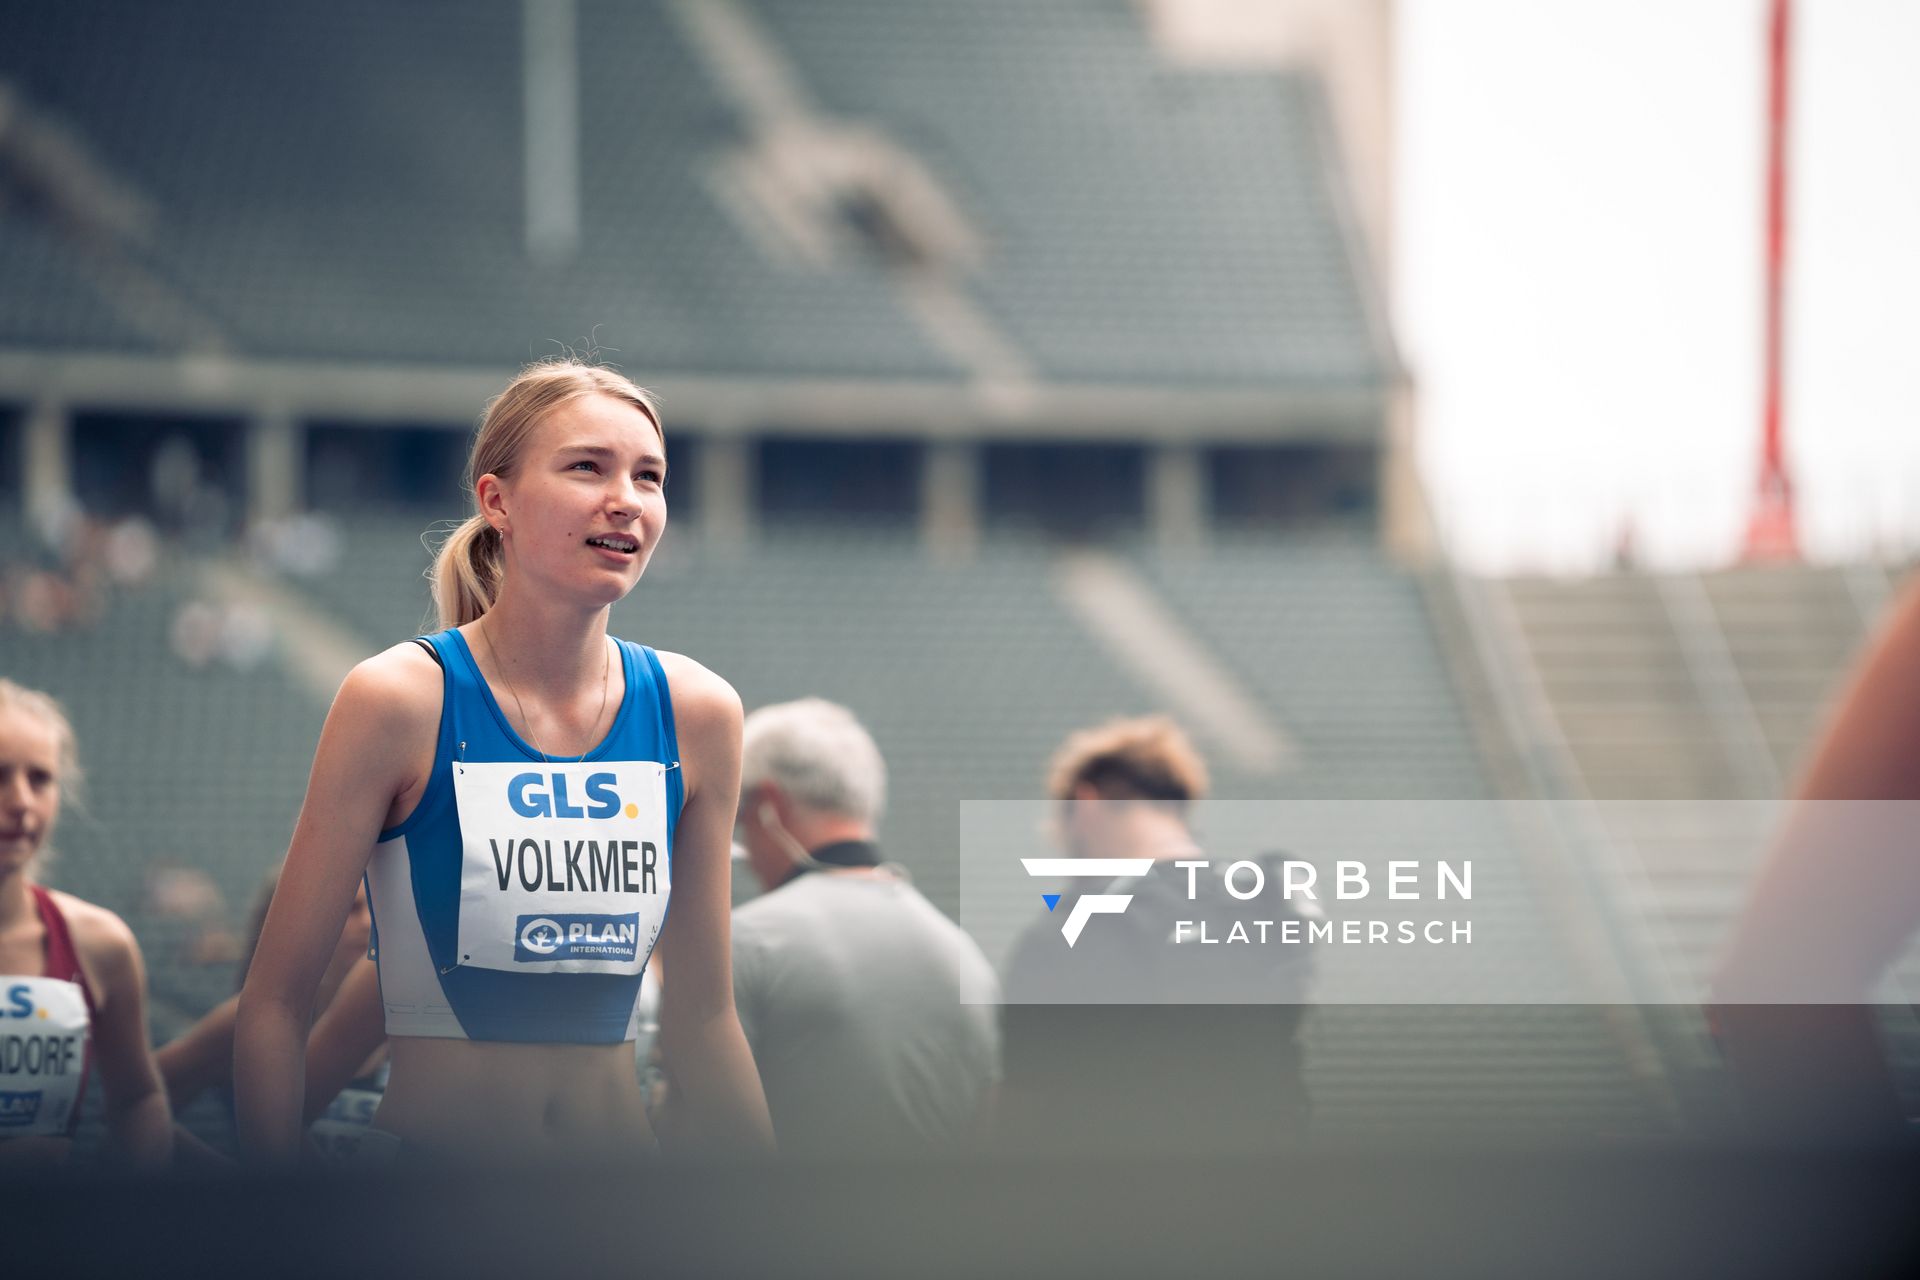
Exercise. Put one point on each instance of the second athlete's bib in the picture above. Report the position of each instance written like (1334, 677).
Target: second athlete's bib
(43, 1054)
(564, 867)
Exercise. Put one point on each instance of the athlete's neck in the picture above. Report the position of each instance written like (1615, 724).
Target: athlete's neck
(16, 903)
(547, 653)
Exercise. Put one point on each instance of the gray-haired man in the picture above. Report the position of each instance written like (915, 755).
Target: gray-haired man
(871, 1015)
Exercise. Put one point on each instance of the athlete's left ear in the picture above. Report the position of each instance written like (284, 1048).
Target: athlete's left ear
(489, 496)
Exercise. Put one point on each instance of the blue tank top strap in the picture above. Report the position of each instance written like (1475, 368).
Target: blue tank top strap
(446, 742)
(640, 660)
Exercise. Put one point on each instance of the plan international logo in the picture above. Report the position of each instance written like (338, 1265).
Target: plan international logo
(576, 937)
(19, 1108)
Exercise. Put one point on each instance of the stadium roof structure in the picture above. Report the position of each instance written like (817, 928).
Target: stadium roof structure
(1021, 209)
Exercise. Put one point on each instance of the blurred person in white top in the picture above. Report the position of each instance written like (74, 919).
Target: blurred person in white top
(871, 1015)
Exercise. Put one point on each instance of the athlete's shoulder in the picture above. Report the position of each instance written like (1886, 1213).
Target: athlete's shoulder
(397, 687)
(700, 696)
(108, 949)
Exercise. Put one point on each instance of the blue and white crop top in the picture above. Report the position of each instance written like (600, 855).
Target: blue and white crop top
(521, 898)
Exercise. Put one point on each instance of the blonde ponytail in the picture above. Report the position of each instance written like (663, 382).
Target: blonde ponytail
(471, 564)
(466, 572)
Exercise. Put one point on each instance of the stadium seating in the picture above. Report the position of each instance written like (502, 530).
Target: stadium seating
(1336, 643)
(200, 770)
(344, 181)
(1097, 173)
(377, 588)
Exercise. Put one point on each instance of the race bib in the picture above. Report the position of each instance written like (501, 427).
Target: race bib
(43, 1051)
(564, 866)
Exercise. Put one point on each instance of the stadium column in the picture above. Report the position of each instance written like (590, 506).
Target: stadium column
(551, 97)
(49, 462)
(1406, 520)
(274, 457)
(950, 498)
(1177, 495)
(726, 482)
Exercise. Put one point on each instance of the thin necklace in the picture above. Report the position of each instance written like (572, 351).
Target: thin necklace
(606, 674)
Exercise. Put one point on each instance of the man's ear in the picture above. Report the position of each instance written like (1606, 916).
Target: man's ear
(751, 798)
(768, 798)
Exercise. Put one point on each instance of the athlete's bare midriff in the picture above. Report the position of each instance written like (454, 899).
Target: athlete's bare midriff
(468, 1099)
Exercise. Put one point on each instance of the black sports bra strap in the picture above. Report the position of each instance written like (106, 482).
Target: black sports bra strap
(432, 652)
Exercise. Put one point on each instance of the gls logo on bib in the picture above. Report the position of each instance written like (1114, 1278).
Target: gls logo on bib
(564, 867)
(532, 796)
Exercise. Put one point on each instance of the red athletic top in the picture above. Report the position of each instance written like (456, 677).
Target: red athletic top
(63, 962)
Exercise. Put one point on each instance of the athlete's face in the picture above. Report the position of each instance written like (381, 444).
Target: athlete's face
(586, 502)
(29, 786)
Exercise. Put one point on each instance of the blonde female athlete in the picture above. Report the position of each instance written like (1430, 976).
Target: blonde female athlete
(73, 991)
(525, 796)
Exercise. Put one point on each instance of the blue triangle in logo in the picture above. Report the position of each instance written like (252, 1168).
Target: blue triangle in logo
(1051, 899)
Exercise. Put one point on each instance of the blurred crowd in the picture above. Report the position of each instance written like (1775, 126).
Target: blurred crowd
(63, 566)
(63, 573)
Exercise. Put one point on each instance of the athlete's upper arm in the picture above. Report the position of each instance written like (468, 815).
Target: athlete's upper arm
(111, 957)
(707, 718)
(1840, 891)
(752, 983)
(1873, 734)
(377, 736)
(200, 1056)
(348, 1032)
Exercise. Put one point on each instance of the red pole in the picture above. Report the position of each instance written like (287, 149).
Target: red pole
(1770, 534)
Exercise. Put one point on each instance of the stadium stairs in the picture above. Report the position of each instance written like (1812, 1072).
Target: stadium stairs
(1680, 705)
